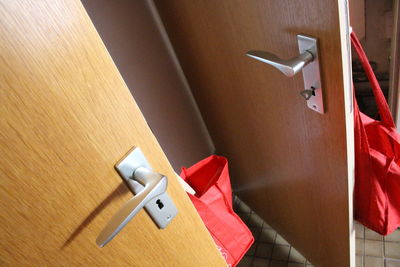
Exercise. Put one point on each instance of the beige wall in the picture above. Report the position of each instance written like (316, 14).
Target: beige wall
(134, 39)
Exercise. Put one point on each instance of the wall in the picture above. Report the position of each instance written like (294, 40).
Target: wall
(378, 31)
(136, 41)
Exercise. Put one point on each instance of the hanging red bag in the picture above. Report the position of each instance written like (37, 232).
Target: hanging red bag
(213, 200)
(377, 162)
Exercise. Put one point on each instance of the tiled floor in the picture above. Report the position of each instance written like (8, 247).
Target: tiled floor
(271, 249)
(374, 250)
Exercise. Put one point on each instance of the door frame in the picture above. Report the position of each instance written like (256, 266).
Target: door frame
(394, 69)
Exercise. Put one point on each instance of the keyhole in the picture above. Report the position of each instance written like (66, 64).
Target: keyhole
(313, 90)
(160, 204)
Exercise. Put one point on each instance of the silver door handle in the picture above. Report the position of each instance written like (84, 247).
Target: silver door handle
(307, 61)
(154, 184)
(289, 67)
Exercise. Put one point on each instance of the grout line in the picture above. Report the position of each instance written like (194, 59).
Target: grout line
(255, 239)
(288, 256)
(272, 249)
(392, 259)
(384, 250)
(248, 219)
(363, 249)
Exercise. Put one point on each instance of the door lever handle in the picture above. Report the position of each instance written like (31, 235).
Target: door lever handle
(289, 67)
(307, 61)
(154, 184)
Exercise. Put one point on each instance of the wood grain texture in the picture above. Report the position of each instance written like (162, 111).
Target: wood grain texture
(66, 117)
(288, 162)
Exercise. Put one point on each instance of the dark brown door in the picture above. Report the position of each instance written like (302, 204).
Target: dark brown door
(292, 165)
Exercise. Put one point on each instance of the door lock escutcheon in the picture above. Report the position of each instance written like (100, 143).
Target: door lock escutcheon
(307, 61)
(149, 188)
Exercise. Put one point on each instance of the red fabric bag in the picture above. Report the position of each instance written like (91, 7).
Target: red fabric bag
(213, 200)
(377, 162)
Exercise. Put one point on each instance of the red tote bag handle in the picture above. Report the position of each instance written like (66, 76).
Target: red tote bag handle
(381, 103)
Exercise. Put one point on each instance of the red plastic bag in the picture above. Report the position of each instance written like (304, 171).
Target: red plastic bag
(213, 200)
(377, 150)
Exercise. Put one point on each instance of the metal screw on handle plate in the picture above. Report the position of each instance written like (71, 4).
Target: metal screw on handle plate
(307, 61)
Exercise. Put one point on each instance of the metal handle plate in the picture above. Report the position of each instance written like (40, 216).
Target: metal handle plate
(150, 189)
(307, 61)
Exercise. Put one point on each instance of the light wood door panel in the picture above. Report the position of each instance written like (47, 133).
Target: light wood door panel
(288, 163)
(66, 117)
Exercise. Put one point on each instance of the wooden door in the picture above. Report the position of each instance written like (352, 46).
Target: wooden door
(66, 117)
(290, 164)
